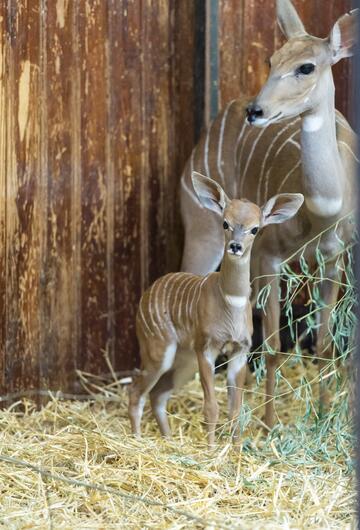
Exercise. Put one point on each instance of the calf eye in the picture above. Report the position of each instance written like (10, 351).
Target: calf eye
(254, 230)
(306, 69)
(226, 225)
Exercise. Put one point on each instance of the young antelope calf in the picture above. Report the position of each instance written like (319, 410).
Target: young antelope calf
(184, 321)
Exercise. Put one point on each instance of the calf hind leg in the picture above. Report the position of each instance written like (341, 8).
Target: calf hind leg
(147, 379)
(159, 397)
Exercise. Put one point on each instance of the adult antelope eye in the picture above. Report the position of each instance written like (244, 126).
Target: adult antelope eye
(254, 230)
(306, 69)
(226, 225)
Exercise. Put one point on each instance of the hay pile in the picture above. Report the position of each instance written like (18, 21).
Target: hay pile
(74, 465)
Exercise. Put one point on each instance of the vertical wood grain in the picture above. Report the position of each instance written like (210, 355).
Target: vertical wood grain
(57, 362)
(126, 150)
(3, 130)
(93, 35)
(97, 119)
(23, 198)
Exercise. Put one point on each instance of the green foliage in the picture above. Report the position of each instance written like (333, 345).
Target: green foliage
(316, 434)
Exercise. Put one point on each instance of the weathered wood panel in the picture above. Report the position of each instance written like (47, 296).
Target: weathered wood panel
(98, 114)
(248, 36)
(24, 197)
(3, 147)
(95, 126)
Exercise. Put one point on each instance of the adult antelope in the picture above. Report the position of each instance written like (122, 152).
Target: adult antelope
(302, 144)
(184, 321)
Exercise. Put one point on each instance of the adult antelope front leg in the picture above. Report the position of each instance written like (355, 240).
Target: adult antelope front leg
(271, 333)
(325, 349)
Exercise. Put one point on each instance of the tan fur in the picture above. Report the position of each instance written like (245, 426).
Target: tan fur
(311, 149)
(183, 317)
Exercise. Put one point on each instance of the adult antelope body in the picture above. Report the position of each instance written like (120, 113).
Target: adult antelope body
(302, 144)
(184, 321)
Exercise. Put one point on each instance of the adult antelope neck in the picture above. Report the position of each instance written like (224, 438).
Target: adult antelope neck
(323, 171)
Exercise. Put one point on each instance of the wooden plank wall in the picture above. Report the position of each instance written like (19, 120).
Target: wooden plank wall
(96, 122)
(98, 113)
(248, 36)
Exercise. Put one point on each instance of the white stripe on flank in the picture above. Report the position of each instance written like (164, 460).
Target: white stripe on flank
(199, 295)
(184, 185)
(192, 162)
(350, 151)
(239, 138)
(282, 131)
(221, 139)
(151, 311)
(190, 292)
(196, 293)
(241, 174)
(178, 277)
(288, 175)
(184, 287)
(206, 154)
(165, 288)
(250, 156)
(144, 319)
(343, 122)
(289, 140)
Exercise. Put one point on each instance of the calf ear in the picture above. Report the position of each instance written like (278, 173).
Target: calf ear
(288, 19)
(281, 207)
(343, 37)
(210, 193)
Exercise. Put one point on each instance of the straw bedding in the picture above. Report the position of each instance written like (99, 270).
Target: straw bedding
(73, 464)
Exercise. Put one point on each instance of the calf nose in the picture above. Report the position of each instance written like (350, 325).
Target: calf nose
(254, 111)
(235, 247)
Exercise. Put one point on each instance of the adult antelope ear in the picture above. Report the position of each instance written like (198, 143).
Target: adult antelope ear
(210, 193)
(288, 19)
(281, 207)
(343, 36)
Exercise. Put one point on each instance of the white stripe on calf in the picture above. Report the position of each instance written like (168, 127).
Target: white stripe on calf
(182, 289)
(190, 291)
(165, 288)
(195, 297)
(149, 331)
(153, 311)
(177, 277)
(198, 297)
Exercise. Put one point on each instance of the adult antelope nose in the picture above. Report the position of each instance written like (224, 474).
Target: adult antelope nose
(254, 111)
(235, 247)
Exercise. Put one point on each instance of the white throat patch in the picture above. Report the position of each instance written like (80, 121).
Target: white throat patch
(322, 206)
(236, 301)
(312, 123)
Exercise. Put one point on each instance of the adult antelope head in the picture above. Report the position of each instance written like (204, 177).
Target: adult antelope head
(300, 72)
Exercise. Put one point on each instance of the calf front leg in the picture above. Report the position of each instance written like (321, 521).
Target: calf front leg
(206, 360)
(236, 381)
